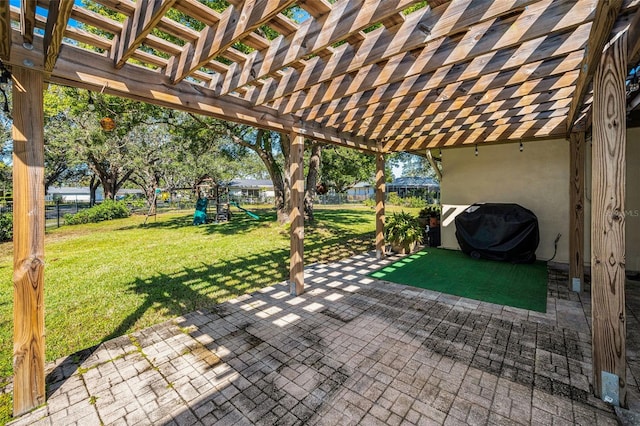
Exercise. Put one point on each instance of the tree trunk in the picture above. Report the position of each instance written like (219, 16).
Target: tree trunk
(283, 208)
(280, 178)
(109, 186)
(93, 187)
(312, 180)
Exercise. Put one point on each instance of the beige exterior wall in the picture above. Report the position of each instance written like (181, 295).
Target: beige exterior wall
(536, 178)
(632, 208)
(632, 202)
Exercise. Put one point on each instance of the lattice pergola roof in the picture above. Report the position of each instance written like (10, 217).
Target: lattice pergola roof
(361, 73)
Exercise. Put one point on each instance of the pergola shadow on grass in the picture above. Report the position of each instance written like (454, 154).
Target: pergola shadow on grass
(201, 288)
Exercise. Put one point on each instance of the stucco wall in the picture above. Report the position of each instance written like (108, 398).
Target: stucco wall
(632, 202)
(536, 178)
(632, 216)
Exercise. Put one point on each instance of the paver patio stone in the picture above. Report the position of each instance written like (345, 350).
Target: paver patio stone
(351, 350)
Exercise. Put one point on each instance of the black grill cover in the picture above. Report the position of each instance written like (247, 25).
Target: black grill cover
(505, 232)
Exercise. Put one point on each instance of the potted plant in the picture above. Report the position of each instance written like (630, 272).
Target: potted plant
(434, 211)
(423, 217)
(403, 232)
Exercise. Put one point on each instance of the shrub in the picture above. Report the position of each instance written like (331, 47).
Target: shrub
(402, 228)
(394, 199)
(6, 227)
(414, 202)
(431, 210)
(370, 202)
(107, 210)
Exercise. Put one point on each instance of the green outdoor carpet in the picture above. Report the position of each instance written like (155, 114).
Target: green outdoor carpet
(453, 272)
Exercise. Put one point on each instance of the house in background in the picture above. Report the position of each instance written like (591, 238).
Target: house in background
(81, 194)
(414, 186)
(251, 190)
(361, 191)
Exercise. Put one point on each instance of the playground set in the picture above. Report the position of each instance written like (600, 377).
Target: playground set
(219, 195)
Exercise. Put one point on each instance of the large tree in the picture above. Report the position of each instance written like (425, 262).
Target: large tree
(313, 172)
(343, 167)
(273, 150)
(412, 165)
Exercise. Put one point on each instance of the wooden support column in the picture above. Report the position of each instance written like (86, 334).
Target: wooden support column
(28, 241)
(380, 193)
(296, 168)
(608, 225)
(576, 212)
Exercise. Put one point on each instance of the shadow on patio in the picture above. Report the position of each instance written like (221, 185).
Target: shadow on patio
(351, 350)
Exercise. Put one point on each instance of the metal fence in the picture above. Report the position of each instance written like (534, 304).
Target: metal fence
(54, 211)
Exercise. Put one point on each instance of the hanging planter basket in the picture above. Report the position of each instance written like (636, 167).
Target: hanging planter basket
(107, 124)
(321, 189)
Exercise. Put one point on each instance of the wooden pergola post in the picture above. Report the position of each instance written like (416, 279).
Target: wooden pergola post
(28, 240)
(296, 168)
(608, 224)
(576, 211)
(380, 190)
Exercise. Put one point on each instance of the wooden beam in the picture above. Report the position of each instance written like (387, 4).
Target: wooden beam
(345, 18)
(380, 196)
(633, 39)
(79, 68)
(147, 15)
(605, 16)
(5, 31)
(198, 10)
(234, 25)
(607, 220)
(434, 165)
(316, 8)
(576, 211)
(499, 113)
(296, 167)
(427, 103)
(126, 7)
(28, 240)
(59, 13)
(27, 20)
(544, 56)
(94, 19)
(487, 34)
(404, 75)
(508, 132)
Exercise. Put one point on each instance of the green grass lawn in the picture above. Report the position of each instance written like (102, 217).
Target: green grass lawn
(112, 278)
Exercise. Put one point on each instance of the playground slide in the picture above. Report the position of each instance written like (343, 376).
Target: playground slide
(200, 215)
(250, 214)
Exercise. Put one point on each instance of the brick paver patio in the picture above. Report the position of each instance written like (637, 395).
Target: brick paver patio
(351, 350)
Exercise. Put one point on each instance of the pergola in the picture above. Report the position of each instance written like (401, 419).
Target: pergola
(358, 73)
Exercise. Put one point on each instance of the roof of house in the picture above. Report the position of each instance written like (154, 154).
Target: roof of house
(251, 183)
(413, 182)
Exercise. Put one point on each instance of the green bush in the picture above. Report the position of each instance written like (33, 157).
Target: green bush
(369, 202)
(6, 227)
(394, 199)
(402, 228)
(107, 210)
(414, 202)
